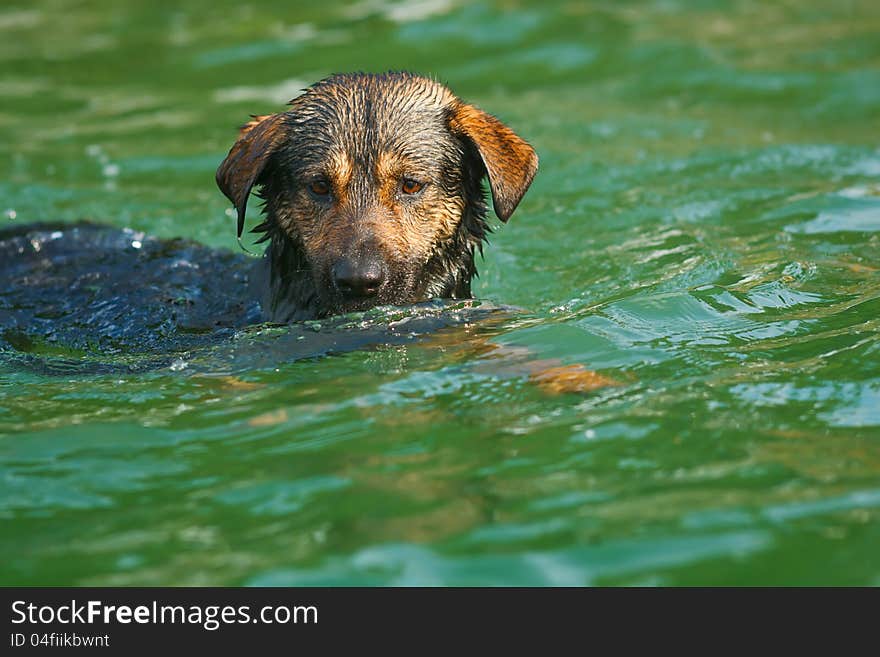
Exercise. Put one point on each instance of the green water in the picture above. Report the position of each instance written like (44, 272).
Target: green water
(704, 230)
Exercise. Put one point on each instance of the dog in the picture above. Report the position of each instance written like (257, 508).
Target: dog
(372, 189)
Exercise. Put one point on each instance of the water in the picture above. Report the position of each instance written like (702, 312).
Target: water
(704, 230)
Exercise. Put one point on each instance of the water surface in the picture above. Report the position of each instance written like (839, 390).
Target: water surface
(704, 230)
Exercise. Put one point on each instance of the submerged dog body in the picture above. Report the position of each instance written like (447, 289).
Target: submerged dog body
(372, 190)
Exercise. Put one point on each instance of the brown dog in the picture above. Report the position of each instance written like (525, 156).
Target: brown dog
(373, 193)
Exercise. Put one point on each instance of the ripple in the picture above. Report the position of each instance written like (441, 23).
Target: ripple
(279, 497)
(404, 565)
(279, 93)
(797, 510)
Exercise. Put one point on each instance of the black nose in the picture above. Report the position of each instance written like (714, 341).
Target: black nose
(358, 280)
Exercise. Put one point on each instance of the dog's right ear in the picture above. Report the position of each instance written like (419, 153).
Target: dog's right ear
(247, 158)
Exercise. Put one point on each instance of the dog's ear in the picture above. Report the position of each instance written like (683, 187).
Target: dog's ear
(247, 158)
(510, 162)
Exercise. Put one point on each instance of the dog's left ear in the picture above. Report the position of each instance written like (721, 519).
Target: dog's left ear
(510, 162)
(247, 158)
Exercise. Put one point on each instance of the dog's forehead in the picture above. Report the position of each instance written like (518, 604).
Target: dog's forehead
(366, 113)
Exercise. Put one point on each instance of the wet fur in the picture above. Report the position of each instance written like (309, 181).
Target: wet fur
(115, 292)
(363, 134)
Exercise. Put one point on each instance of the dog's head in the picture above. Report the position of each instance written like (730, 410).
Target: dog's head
(377, 180)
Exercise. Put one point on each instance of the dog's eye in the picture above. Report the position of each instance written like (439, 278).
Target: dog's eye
(410, 186)
(319, 187)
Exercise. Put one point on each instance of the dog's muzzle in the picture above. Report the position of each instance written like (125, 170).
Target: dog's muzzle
(359, 278)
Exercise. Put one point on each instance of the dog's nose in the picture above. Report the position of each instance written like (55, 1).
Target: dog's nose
(358, 280)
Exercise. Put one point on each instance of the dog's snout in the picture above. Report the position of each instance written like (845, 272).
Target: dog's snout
(358, 280)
